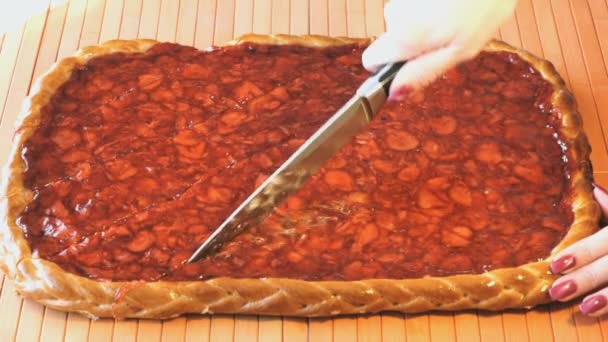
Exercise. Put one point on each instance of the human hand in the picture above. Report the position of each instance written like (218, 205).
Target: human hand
(433, 36)
(584, 266)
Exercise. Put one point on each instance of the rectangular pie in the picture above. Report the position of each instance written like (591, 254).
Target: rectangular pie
(128, 154)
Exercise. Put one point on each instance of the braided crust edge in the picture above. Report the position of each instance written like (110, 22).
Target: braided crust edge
(44, 281)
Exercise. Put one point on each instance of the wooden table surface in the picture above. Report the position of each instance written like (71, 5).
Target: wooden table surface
(571, 34)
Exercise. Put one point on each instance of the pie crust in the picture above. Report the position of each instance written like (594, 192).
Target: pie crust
(44, 281)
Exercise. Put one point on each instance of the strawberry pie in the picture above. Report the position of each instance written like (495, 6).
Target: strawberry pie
(131, 153)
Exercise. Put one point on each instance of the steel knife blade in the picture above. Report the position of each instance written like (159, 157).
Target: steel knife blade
(305, 161)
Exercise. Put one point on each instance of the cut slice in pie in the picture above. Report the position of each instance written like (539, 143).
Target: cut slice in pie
(130, 153)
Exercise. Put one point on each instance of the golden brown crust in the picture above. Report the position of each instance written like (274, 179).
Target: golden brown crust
(308, 40)
(46, 282)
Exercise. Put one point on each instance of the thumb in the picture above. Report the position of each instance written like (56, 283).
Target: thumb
(602, 198)
(424, 69)
(392, 47)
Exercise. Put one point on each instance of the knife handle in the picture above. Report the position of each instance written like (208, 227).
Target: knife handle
(386, 74)
(375, 89)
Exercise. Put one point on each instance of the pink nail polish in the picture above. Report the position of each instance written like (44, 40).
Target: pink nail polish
(562, 290)
(399, 94)
(562, 264)
(593, 304)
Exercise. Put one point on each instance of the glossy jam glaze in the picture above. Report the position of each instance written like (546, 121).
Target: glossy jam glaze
(139, 157)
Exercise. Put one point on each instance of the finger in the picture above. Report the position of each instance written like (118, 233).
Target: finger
(581, 253)
(424, 69)
(390, 48)
(581, 281)
(595, 304)
(602, 198)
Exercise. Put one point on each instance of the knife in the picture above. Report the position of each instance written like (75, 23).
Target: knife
(306, 161)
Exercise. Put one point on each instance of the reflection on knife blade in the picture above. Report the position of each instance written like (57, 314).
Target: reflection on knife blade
(306, 161)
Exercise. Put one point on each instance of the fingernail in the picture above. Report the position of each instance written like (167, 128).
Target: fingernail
(399, 94)
(593, 304)
(562, 264)
(562, 290)
(599, 187)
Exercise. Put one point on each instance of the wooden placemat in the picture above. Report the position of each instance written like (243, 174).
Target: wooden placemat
(572, 34)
